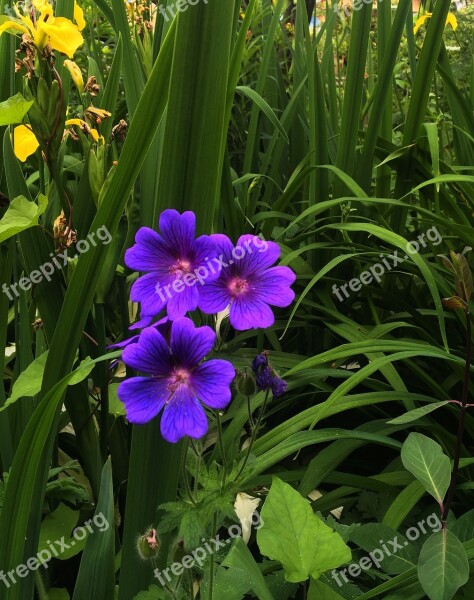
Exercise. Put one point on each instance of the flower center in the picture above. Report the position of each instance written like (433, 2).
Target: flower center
(238, 286)
(178, 377)
(180, 267)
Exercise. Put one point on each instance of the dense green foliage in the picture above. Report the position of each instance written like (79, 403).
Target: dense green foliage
(344, 143)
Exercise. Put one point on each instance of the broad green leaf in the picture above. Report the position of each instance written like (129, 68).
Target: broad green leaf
(56, 528)
(463, 528)
(443, 566)
(116, 406)
(296, 537)
(392, 551)
(425, 459)
(241, 562)
(414, 415)
(29, 381)
(321, 591)
(14, 109)
(21, 214)
(152, 593)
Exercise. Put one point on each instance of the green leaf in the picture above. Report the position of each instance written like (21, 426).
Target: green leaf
(264, 107)
(321, 591)
(396, 560)
(58, 594)
(21, 214)
(116, 406)
(14, 109)
(443, 566)
(96, 577)
(58, 525)
(29, 381)
(152, 593)
(414, 415)
(243, 565)
(425, 459)
(296, 537)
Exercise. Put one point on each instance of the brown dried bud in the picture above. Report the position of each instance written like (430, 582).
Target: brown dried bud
(37, 324)
(64, 236)
(120, 131)
(92, 86)
(454, 303)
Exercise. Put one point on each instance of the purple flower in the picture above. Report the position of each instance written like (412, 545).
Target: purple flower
(171, 261)
(163, 326)
(266, 377)
(178, 382)
(279, 387)
(248, 282)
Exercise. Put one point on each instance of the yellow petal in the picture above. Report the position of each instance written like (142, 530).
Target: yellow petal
(24, 142)
(79, 122)
(94, 135)
(12, 27)
(79, 16)
(451, 20)
(40, 5)
(98, 112)
(76, 74)
(64, 36)
(420, 21)
(44, 8)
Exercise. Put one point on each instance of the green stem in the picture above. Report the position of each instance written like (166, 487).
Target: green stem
(40, 587)
(254, 435)
(221, 448)
(462, 419)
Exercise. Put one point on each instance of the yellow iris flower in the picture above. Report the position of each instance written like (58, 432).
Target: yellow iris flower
(450, 20)
(86, 129)
(24, 142)
(60, 33)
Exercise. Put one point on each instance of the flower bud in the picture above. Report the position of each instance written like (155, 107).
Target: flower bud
(76, 74)
(148, 545)
(245, 384)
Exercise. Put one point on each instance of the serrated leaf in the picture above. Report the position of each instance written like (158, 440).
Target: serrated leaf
(296, 537)
(396, 557)
(425, 459)
(241, 562)
(14, 109)
(443, 566)
(413, 415)
(321, 591)
(21, 214)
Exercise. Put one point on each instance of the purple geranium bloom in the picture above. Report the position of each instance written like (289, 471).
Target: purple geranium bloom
(171, 261)
(162, 325)
(248, 282)
(179, 380)
(266, 377)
